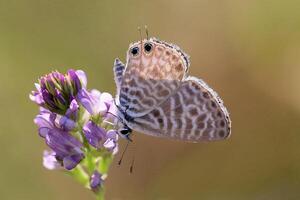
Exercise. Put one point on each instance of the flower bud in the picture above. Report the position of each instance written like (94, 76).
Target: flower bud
(56, 91)
(96, 181)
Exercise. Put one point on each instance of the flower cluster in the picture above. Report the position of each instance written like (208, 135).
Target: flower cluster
(74, 122)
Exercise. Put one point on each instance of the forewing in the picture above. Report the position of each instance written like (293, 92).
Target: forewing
(119, 68)
(150, 78)
(194, 112)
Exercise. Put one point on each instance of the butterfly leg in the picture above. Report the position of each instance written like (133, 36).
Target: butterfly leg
(118, 71)
(128, 138)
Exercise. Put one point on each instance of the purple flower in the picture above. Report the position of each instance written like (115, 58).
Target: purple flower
(72, 112)
(49, 160)
(67, 110)
(67, 148)
(107, 99)
(96, 181)
(47, 121)
(56, 91)
(111, 114)
(99, 138)
(95, 102)
(111, 142)
(68, 122)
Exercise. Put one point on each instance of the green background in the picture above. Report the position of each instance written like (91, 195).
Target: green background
(248, 51)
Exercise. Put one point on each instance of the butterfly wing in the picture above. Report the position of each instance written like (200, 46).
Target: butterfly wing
(142, 87)
(193, 112)
(119, 68)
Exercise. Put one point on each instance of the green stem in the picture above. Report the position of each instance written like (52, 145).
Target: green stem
(80, 175)
(103, 167)
(100, 194)
(104, 163)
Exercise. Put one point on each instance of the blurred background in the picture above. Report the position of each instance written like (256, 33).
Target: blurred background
(248, 51)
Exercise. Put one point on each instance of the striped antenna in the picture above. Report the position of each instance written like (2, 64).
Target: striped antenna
(147, 33)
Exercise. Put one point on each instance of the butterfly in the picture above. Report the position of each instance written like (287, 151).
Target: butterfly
(157, 97)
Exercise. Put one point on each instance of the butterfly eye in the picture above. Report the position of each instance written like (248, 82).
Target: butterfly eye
(124, 132)
(148, 47)
(134, 51)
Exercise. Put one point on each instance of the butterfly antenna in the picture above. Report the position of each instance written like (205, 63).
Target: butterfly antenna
(120, 161)
(147, 33)
(140, 32)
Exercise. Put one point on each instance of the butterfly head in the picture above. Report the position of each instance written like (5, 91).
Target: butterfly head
(154, 48)
(125, 132)
(143, 47)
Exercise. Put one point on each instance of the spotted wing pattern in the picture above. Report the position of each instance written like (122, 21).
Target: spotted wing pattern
(150, 77)
(193, 112)
(156, 98)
